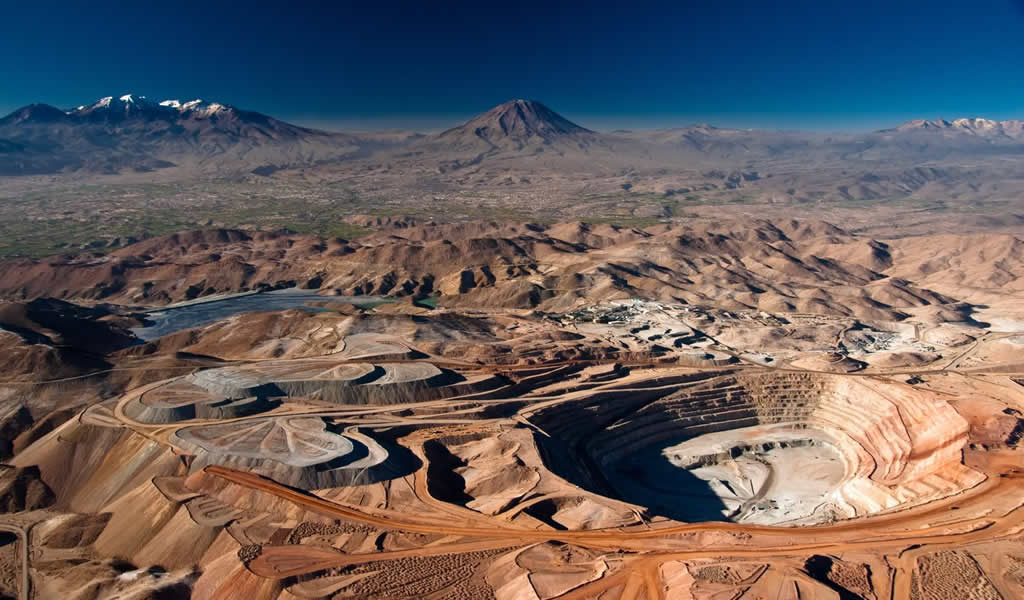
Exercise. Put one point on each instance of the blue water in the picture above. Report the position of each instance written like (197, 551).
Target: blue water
(170, 320)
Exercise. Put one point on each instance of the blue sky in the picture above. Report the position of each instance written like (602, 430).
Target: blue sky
(798, 64)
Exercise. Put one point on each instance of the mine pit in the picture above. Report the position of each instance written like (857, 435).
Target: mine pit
(749, 475)
(770, 449)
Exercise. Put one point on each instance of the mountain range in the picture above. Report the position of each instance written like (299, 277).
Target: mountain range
(133, 134)
(1013, 130)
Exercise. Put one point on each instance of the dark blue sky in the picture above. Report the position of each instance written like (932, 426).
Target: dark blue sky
(823, 64)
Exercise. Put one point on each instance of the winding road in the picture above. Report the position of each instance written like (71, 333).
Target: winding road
(25, 585)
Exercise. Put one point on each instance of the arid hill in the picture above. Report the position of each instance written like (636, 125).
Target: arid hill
(484, 410)
(791, 266)
(46, 338)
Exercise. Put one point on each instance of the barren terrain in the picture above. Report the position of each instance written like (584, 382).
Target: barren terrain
(739, 409)
(110, 172)
(518, 359)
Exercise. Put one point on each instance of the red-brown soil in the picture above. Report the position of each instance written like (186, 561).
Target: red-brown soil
(782, 410)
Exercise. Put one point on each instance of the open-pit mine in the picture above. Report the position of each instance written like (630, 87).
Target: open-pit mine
(532, 412)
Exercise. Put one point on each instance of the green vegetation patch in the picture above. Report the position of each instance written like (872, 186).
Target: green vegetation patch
(101, 219)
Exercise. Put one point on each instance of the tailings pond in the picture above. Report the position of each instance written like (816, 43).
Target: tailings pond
(186, 316)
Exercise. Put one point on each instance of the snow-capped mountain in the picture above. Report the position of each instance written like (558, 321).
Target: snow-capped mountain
(973, 126)
(131, 105)
(132, 133)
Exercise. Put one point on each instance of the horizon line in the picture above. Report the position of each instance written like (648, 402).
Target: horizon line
(601, 123)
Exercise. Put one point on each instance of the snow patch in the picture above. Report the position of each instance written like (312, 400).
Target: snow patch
(212, 109)
(184, 106)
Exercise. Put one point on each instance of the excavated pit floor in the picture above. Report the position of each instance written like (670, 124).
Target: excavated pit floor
(752, 475)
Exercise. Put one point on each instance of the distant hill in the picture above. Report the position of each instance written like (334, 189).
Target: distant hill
(536, 158)
(517, 125)
(986, 128)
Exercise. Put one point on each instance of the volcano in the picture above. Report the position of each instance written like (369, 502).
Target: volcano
(518, 125)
